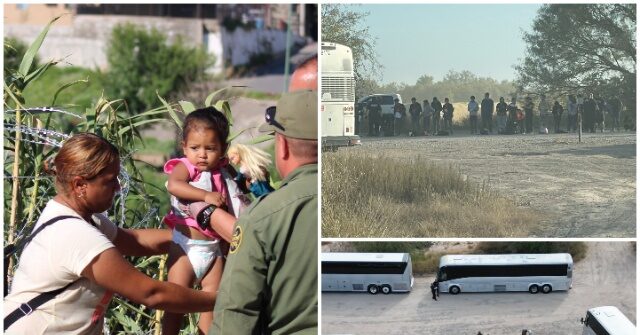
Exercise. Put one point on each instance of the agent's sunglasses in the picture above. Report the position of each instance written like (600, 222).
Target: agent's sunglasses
(270, 117)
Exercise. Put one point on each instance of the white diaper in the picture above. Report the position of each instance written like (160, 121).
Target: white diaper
(201, 253)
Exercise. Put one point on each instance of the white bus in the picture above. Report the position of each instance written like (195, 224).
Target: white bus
(607, 320)
(366, 272)
(503, 273)
(338, 96)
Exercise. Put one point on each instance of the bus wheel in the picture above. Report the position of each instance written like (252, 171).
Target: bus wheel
(546, 288)
(386, 289)
(373, 289)
(454, 289)
(533, 289)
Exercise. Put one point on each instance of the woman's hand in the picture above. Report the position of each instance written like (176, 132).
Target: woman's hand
(112, 272)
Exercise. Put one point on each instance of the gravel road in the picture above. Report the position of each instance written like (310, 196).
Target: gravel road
(583, 189)
(605, 277)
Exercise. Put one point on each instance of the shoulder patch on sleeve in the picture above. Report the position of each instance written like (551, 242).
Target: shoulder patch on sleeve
(236, 240)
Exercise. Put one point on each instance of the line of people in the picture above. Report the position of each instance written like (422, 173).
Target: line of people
(436, 118)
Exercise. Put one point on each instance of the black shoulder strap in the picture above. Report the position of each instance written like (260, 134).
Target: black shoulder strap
(12, 248)
(33, 304)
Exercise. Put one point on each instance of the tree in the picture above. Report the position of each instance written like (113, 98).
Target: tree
(142, 65)
(582, 48)
(343, 26)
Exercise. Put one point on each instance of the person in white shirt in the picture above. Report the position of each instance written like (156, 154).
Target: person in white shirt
(473, 109)
(85, 252)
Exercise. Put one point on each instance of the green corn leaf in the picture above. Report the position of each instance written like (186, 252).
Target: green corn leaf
(31, 53)
(187, 107)
(209, 99)
(36, 73)
(225, 108)
(65, 86)
(174, 115)
(135, 125)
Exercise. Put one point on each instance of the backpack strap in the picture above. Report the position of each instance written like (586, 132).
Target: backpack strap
(33, 304)
(12, 248)
(28, 307)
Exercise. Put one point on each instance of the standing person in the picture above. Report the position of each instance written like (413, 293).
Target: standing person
(270, 281)
(447, 116)
(572, 114)
(399, 114)
(486, 111)
(427, 114)
(434, 290)
(501, 111)
(543, 109)
(515, 123)
(195, 256)
(528, 115)
(473, 108)
(81, 253)
(557, 115)
(590, 108)
(615, 109)
(437, 108)
(375, 116)
(415, 110)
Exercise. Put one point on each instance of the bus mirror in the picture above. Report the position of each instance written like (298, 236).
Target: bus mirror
(582, 320)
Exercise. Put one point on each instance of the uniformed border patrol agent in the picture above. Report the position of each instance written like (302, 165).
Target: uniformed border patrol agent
(269, 285)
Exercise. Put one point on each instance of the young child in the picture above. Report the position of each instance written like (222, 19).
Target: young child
(195, 255)
(252, 164)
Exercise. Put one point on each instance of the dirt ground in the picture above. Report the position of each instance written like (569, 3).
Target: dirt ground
(605, 277)
(583, 189)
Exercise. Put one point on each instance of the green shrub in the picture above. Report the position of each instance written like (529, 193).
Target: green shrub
(426, 263)
(142, 63)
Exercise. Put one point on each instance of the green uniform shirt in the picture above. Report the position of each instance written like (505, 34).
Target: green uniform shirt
(270, 281)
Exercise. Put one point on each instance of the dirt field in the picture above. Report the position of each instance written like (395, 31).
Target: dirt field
(583, 189)
(605, 277)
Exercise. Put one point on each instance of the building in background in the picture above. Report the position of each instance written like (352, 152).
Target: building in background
(233, 34)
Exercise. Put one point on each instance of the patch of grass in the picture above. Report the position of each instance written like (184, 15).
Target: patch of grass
(75, 98)
(365, 195)
(426, 262)
(578, 250)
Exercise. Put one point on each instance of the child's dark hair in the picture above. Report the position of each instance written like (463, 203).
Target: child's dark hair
(207, 118)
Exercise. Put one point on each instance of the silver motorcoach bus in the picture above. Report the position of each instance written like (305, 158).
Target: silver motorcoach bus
(607, 320)
(502, 273)
(370, 272)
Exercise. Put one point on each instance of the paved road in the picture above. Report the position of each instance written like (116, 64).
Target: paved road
(605, 277)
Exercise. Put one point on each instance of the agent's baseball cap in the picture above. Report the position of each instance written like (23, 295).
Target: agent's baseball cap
(295, 115)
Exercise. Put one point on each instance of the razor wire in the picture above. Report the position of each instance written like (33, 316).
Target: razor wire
(56, 139)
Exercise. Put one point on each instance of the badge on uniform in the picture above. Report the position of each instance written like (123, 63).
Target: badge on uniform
(236, 239)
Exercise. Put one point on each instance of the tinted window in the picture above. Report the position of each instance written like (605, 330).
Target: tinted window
(465, 271)
(387, 100)
(364, 267)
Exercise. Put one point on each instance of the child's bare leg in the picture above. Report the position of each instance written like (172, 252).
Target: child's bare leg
(210, 283)
(181, 273)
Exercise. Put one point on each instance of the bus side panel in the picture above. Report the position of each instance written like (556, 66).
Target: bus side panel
(502, 284)
(333, 119)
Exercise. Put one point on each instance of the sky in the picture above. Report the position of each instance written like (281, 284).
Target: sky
(418, 39)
